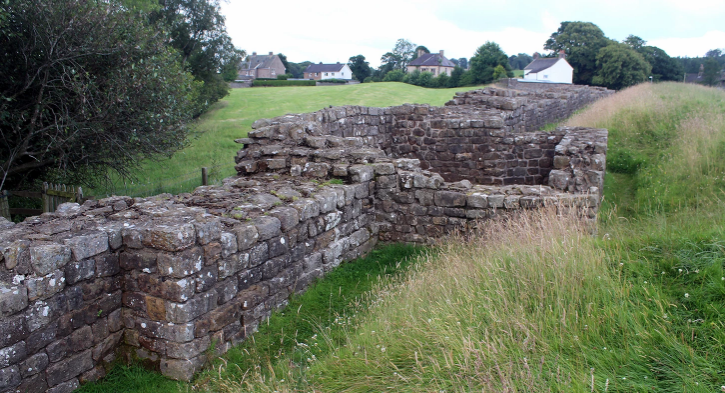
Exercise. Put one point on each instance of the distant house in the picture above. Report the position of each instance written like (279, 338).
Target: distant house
(549, 70)
(698, 77)
(261, 66)
(434, 63)
(327, 71)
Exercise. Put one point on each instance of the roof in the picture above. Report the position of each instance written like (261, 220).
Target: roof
(432, 59)
(258, 61)
(693, 78)
(540, 64)
(324, 67)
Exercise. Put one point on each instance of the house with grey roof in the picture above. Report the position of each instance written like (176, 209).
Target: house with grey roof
(435, 63)
(327, 71)
(549, 70)
(261, 66)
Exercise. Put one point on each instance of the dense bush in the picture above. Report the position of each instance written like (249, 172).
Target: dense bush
(333, 80)
(277, 83)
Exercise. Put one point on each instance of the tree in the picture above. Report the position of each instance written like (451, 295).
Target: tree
(196, 28)
(455, 79)
(581, 41)
(485, 60)
(87, 86)
(620, 66)
(360, 68)
(463, 63)
(417, 49)
(518, 62)
(394, 76)
(711, 72)
(412, 78)
(399, 58)
(664, 67)
(499, 72)
(713, 53)
(634, 42)
(454, 61)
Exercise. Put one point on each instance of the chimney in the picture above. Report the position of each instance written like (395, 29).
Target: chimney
(562, 54)
(271, 53)
(421, 52)
(254, 53)
(441, 52)
(320, 62)
(536, 55)
(338, 62)
(702, 70)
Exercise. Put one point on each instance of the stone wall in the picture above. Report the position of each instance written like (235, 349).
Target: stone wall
(161, 278)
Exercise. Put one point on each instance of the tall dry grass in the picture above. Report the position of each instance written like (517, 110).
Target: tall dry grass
(504, 309)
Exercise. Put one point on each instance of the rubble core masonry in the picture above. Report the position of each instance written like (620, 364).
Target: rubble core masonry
(162, 278)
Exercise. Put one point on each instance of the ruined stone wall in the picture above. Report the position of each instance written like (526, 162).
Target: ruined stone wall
(161, 278)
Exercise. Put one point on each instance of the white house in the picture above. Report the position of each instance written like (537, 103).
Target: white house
(549, 70)
(328, 71)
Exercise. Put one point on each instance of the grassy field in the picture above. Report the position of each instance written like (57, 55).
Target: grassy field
(213, 145)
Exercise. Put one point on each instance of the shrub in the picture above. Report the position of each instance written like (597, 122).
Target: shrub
(333, 80)
(394, 76)
(277, 83)
(368, 80)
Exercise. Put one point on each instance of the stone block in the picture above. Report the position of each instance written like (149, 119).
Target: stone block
(233, 264)
(138, 260)
(13, 299)
(247, 236)
(181, 369)
(278, 246)
(226, 290)
(79, 270)
(316, 169)
(15, 252)
(229, 244)
(13, 354)
(65, 387)
(86, 246)
(81, 339)
(42, 337)
(559, 179)
(496, 201)
(258, 254)
(512, 201)
(115, 322)
(561, 162)
(107, 265)
(288, 217)
(93, 374)
(188, 350)
(169, 236)
(449, 199)
(33, 384)
(9, 378)
(267, 227)
(33, 364)
(46, 258)
(383, 168)
(477, 200)
(46, 286)
(193, 308)
(361, 173)
(206, 279)
(327, 200)
(59, 372)
(181, 264)
(208, 229)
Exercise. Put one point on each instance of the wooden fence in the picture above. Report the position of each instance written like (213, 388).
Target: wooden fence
(52, 196)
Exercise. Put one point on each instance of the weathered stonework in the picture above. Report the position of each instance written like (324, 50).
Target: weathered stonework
(164, 277)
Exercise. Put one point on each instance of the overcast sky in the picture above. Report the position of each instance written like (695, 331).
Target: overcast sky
(331, 31)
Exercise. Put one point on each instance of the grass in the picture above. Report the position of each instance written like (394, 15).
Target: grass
(213, 144)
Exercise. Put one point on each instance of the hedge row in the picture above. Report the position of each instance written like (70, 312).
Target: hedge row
(275, 83)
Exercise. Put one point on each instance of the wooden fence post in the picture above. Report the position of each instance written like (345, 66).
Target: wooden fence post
(46, 198)
(4, 205)
(204, 177)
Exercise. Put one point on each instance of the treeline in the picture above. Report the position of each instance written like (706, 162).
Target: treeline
(89, 86)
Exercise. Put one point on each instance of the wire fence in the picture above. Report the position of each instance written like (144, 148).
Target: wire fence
(176, 185)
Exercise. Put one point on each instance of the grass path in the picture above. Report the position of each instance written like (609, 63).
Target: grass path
(231, 118)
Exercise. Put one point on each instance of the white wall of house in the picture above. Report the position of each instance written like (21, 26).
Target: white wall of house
(344, 73)
(560, 72)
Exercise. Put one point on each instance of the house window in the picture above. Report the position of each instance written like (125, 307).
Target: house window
(433, 70)
(333, 74)
(325, 73)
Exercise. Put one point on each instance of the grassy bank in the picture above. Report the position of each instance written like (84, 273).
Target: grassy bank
(639, 307)
(231, 118)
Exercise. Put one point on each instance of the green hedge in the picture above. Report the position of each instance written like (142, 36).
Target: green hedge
(275, 83)
(333, 80)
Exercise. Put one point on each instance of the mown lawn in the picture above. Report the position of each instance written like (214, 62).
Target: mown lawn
(213, 145)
